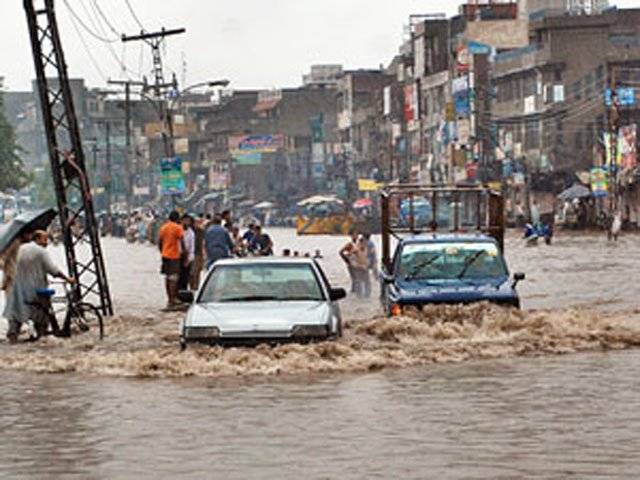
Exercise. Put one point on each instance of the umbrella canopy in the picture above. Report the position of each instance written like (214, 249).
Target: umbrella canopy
(319, 199)
(577, 191)
(363, 203)
(27, 221)
(264, 206)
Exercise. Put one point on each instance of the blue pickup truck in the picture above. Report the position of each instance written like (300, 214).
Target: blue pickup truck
(447, 268)
(438, 260)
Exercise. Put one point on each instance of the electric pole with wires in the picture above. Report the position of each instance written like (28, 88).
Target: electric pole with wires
(83, 251)
(160, 87)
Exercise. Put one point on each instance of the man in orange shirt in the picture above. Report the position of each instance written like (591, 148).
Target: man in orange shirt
(170, 244)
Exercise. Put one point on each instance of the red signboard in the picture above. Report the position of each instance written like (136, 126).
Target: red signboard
(409, 112)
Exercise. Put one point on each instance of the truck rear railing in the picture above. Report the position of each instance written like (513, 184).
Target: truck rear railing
(414, 209)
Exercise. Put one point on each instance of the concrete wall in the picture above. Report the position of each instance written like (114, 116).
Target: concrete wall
(502, 34)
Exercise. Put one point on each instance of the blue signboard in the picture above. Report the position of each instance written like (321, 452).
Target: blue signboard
(626, 96)
(461, 101)
(171, 177)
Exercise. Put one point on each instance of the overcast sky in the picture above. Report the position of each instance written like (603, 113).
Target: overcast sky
(254, 43)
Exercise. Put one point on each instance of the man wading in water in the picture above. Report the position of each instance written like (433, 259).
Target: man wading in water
(170, 245)
(33, 266)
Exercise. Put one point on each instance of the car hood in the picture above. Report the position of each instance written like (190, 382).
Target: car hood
(258, 316)
(466, 290)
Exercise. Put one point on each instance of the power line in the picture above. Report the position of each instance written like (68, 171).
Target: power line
(87, 50)
(118, 59)
(106, 20)
(133, 14)
(86, 27)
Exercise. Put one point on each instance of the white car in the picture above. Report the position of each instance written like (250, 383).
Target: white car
(263, 300)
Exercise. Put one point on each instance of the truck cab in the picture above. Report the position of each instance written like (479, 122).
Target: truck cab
(449, 245)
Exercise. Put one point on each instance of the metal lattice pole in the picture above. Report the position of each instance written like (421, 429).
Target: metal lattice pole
(75, 205)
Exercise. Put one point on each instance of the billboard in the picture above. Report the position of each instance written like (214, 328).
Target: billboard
(409, 112)
(249, 158)
(256, 143)
(627, 139)
(599, 182)
(171, 176)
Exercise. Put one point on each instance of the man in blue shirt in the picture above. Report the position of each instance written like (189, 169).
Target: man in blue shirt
(218, 243)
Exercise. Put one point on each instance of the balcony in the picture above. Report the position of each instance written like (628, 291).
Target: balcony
(522, 59)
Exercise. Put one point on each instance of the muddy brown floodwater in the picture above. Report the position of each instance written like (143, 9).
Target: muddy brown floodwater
(450, 392)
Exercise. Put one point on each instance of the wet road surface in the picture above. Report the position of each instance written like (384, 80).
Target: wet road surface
(488, 412)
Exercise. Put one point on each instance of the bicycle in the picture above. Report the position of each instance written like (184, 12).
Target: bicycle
(79, 317)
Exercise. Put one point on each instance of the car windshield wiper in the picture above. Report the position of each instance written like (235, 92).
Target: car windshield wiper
(251, 298)
(470, 261)
(414, 271)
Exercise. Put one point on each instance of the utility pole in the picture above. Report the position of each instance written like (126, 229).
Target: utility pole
(108, 175)
(127, 115)
(154, 40)
(614, 122)
(66, 155)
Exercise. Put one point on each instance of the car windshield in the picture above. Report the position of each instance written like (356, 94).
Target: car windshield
(450, 260)
(262, 282)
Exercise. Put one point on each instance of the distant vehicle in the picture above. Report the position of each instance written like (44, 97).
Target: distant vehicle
(320, 215)
(263, 300)
(455, 258)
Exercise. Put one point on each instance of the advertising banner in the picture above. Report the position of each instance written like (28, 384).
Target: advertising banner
(626, 96)
(599, 182)
(367, 185)
(171, 177)
(217, 180)
(256, 143)
(247, 158)
(627, 146)
(461, 100)
(386, 101)
(409, 113)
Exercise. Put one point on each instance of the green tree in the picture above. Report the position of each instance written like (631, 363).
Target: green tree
(13, 172)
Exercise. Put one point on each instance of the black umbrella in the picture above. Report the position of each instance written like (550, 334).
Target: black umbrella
(25, 222)
(576, 191)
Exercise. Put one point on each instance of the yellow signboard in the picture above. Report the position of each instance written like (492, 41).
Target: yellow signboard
(367, 185)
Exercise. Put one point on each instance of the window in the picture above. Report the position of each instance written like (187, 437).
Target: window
(281, 282)
(588, 86)
(557, 75)
(577, 90)
(532, 139)
(449, 261)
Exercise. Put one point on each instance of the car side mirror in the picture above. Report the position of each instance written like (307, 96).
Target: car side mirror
(186, 296)
(517, 278)
(336, 294)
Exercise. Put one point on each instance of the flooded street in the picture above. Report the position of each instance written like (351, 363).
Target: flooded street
(486, 395)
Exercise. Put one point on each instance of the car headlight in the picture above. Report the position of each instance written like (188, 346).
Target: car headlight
(199, 333)
(310, 331)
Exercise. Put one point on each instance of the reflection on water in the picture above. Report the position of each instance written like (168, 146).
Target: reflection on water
(551, 418)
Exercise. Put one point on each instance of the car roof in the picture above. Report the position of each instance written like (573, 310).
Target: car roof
(447, 237)
(266, 260)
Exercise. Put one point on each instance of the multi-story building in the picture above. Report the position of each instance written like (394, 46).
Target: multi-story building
(359, 113)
